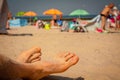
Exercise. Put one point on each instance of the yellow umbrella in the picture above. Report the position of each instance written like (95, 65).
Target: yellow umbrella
(52, 11)
(30, 13)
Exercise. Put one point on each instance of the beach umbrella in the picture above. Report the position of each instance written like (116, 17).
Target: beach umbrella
(21, 13)
(52, 11)
(30, 13)
(79, 12)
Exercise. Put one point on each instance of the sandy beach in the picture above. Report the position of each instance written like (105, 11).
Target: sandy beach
(99, 53)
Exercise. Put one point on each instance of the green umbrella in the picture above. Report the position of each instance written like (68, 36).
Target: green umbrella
(79, 12)
(21, 13)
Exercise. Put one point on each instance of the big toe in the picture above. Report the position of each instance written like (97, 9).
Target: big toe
(74, 60)
(36, 49)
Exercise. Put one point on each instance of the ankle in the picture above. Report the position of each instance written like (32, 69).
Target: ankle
(26, 70)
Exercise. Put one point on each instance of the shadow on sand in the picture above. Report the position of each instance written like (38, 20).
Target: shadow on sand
(23, 34)
(53, 77)
(114, 32)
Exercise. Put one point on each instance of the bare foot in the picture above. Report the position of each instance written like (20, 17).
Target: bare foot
(63, 62)
(29, 56)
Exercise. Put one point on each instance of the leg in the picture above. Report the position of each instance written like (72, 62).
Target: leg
(118, 25)
(103, 22)
(11, 70)
(62, 63)
(41, 69)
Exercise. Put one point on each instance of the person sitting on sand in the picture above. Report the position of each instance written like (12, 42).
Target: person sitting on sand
(104, 15)
(29, 65)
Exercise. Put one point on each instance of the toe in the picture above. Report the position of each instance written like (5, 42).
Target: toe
(35, 60)
(75, 59)
(65, 54)
(69, 56)
(34, 56)
(35, 50)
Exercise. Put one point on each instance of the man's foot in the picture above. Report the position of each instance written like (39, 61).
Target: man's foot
(29, 56)
(102, 31)
(63, 61)
(106, 31)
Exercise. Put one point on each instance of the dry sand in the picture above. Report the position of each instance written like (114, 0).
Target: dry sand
(99, 53)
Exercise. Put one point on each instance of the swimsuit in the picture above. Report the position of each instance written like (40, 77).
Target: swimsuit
(103, 15)
(55, 20)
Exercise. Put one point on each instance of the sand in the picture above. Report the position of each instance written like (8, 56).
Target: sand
(99, 53)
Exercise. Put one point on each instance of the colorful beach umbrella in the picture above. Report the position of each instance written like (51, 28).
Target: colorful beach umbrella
(21, 13)
(79, 12)
(53, 11)
(30, 13)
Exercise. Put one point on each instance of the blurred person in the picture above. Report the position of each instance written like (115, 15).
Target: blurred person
(118, 20)
(104, 15)
(9, 18)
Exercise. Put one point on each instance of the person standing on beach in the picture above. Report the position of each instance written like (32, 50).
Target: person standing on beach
(104, 15)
